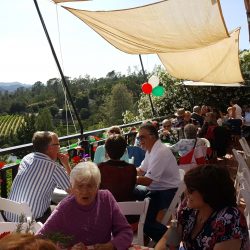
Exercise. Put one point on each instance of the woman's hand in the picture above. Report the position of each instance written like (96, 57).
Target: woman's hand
(106, 246)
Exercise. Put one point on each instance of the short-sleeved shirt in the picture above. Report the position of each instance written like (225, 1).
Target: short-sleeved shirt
(183, 146)
(35, 182)
(100, 155)
(160, 166)
(226, 224)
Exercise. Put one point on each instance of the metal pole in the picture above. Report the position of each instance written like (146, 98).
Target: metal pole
(58, 66)
(150, 99)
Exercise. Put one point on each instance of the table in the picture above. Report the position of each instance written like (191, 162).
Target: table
(58, 195)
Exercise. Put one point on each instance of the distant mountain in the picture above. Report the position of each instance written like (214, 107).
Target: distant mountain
(12, 86)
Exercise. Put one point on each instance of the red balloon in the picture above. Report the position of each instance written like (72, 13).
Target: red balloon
(147, 88)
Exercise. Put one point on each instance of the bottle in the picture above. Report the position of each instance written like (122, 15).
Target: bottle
(173, 237)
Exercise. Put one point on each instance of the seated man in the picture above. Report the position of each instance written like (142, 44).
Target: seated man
(158, 178)
(38, 175)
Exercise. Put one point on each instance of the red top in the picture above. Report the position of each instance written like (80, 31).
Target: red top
(119, 177)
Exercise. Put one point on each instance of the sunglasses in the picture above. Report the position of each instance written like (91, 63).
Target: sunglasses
(142, 137)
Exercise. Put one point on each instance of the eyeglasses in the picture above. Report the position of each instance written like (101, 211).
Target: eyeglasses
(142, 137)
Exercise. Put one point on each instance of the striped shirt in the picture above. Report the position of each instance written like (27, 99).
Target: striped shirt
(34, 183)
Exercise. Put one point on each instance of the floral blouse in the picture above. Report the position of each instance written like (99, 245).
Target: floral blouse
(228, 223)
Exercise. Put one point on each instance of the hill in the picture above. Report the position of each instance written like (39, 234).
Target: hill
(12, 86)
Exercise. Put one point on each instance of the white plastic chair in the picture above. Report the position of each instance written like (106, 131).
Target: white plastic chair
(244, 145)
(16, 208)
(176, 200)
(136, 208)
(242, 178)
(246, 196)
(12, 226)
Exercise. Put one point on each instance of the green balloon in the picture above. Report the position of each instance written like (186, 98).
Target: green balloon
(158, 91)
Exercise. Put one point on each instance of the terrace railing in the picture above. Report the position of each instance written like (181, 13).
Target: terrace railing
(8, 172)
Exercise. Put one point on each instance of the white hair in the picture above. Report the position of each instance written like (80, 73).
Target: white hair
(85, 172)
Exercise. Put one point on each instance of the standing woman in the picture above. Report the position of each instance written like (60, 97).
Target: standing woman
(210, 218)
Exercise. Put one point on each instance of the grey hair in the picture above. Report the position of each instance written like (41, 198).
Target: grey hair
(85, 172)
(41, 140)
(190, 131)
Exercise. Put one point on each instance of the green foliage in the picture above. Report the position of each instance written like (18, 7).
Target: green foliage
(27, 129)
(44, 120)
(105, 101)
(245, 65)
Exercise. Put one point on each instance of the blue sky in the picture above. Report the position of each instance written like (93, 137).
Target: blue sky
(25, 53)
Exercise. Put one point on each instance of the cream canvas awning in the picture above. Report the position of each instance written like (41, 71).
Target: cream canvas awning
(64, 1)
(208, 84)
(218, 62)
(161, 27)
(190, 37)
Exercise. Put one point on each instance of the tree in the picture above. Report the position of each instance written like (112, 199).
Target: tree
(17, 107)
(120, 101)
(27, 129)
(84, 113)
(245, 65)
(44, 120)
(82, 101)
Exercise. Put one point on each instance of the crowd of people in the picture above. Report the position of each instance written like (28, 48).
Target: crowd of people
(207, 219)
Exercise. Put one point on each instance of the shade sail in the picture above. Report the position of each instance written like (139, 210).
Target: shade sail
(166, 26)
(216, 63)
(64, 1)
(207, 84)
(247, 5)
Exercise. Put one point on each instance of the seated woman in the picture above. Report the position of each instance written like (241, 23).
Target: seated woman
(118, 176)
(210, 218)
(183, 146)
(100, 153)
(89, 215)
(166, 134)
(208, 127)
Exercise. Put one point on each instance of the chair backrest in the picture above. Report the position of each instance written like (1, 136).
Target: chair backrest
(12, 227)
(244, 145)
(246, 196)
(136, 208)
(15, 207)
(176, 200)
(174, 203)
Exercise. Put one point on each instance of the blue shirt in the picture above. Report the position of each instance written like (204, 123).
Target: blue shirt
(34, 183)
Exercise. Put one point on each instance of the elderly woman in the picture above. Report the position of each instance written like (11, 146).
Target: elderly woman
(166, 134)
(210, 218)
(101, 154)
(89, 215)
(183, 146)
